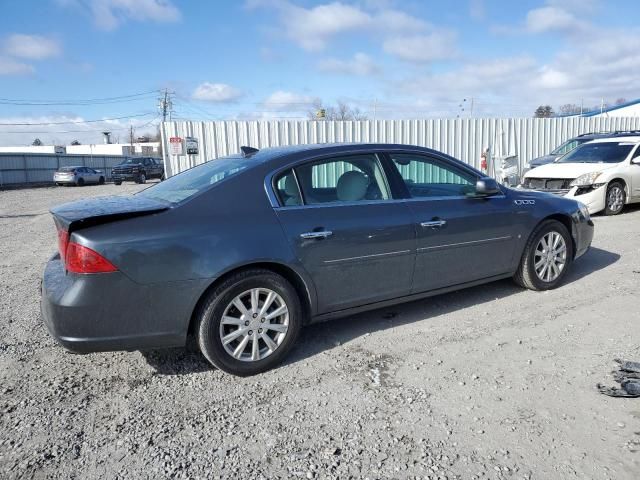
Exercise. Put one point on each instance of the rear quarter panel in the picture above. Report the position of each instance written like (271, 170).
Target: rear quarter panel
(229, 226)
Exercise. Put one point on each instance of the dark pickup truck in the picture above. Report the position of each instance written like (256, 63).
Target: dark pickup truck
(137, 169)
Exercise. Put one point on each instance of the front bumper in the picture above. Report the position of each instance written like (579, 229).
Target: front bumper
(107, 312)
(123, 177)
(594, 199)
(582, 233)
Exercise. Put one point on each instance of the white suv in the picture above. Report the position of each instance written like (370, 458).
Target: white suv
(603, 174)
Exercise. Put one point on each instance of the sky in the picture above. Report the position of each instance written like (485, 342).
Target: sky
(70, 69)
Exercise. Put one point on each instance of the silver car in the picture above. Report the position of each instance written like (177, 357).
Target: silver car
(78, 176)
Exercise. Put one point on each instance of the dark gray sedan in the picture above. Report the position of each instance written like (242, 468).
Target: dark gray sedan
(242, 252)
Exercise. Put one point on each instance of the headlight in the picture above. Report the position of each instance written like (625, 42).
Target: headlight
(586, 179)
(584, 210)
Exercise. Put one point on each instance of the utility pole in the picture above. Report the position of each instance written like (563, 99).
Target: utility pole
(131, 139)
(165, 105)
(471, 109)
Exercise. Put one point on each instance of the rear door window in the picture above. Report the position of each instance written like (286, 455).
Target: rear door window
(353, 178)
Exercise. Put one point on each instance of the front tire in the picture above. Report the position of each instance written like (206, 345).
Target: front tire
(117, 182)
(614, 199)
(80, 182)
(546, 258)
(142, 178)
(101, 181)
(249, 322)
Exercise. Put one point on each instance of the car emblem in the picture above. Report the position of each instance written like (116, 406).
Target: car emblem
(524, 202)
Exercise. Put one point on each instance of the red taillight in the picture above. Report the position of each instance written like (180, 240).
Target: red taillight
(80, 259)
(63, 242)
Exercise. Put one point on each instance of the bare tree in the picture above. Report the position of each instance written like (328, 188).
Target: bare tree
(341, 111)
(621, 100)
(570, 109)
(37, 142)
(75, 142)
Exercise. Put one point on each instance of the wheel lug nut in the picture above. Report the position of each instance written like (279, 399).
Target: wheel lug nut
(250, 332)
(246, 324)
(255, 315)
(262, 320)
(259, 330)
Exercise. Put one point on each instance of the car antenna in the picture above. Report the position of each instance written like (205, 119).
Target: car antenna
(248, 151)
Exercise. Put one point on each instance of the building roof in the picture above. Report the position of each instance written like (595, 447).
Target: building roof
(593, 113)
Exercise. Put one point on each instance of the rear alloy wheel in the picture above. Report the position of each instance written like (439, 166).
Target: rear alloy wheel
(615, 198)
(546, 257)
(249, 322)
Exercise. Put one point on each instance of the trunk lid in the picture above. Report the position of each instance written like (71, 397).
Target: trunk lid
(95, 211)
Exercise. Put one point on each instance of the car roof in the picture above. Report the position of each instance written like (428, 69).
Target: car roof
(277, 156)
(628, 139)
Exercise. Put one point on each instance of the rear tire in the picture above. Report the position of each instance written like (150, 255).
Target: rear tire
(531, 272)
(249, 326)
(117, 182)
(614, 199)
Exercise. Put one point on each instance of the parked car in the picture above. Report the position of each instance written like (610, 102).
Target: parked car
(78, 176)
(574, 142)
(243, 251)
(138, 170)
(603, 174)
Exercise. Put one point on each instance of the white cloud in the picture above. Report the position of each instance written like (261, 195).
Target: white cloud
(285, 101)
(439, 45)
(109, 14)
(32, 47)
(361, 64)
(216, 92)
(311, 28)
(9, 66)
(552, 18)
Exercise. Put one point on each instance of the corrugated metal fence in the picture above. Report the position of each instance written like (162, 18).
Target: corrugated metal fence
(464, 139)
(20, 168)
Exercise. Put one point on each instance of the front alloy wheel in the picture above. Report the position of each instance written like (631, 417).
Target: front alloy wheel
(550, 256)
(248, 322)
(546, 257)
(615, 199)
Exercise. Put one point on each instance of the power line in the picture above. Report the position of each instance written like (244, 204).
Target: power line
(79, 122)
(89, 101)
(11, 132)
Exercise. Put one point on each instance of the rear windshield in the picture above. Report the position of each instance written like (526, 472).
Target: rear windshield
(195, 180)
(606, 152)
(68, 169)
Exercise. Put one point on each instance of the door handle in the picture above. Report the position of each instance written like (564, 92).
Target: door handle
(434, 224)
(311, 235)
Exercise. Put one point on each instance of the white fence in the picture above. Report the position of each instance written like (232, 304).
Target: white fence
(464, 139)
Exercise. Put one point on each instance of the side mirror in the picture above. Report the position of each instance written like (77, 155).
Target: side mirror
(636, 161)
(487, 186)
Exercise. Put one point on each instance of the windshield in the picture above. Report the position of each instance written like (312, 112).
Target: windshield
(67, 169)
(195, 180)
(129, 161)
(606, 152)
(567, 147)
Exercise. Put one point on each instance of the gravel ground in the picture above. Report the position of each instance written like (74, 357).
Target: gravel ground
(489, 382)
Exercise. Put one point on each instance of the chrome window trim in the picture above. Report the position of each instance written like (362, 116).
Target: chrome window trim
(378, 150)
